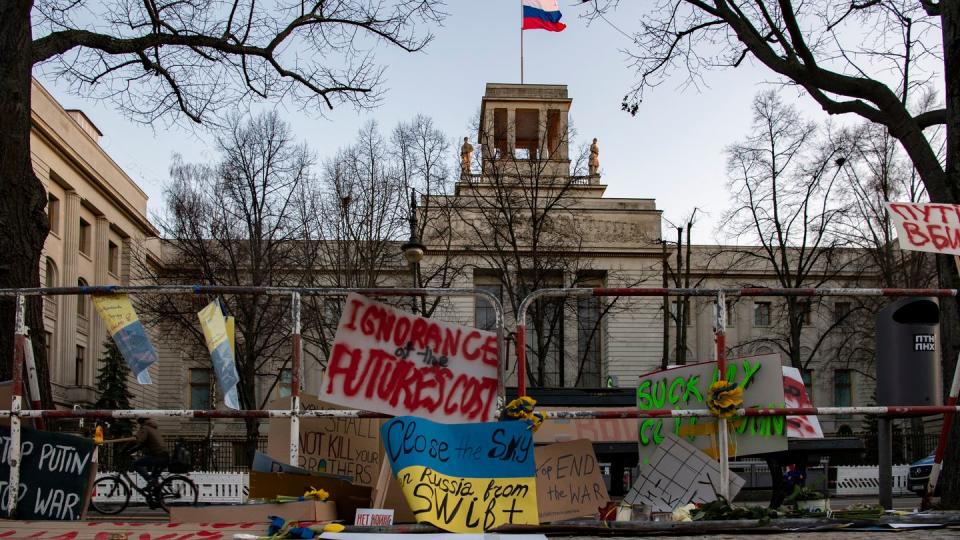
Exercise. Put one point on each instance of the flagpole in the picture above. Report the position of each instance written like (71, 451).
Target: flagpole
(521, 42)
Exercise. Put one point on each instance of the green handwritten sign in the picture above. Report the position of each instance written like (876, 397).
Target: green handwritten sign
(686, 387)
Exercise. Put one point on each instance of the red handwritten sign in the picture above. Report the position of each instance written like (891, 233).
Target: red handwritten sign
(388, 361)
(927, 226)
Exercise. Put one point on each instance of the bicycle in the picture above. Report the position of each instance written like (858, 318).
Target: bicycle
(115, 490)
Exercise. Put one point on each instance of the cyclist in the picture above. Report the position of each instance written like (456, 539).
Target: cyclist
(151, 445)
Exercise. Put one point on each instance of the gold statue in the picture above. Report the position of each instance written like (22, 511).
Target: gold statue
(466, 156)
(594, 163)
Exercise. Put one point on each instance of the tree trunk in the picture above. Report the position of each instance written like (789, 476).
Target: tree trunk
(950, 308)
(23, 220)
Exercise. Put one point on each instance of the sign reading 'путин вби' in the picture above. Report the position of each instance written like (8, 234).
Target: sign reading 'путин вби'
(464, 477)
(687, 387)
(388, 361)
(929, 227)
(54, 473)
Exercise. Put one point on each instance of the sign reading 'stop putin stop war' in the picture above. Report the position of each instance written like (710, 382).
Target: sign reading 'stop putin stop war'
(388, 361)
(686, 388)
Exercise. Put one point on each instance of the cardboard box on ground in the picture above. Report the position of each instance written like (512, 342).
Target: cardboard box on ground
(242, 513)
(344, 446)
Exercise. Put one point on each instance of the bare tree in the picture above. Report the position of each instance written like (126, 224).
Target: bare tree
(173, 59)
(784, 184)
(239, 222)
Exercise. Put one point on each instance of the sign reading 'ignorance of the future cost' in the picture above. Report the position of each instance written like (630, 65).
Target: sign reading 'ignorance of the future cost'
(388, 361)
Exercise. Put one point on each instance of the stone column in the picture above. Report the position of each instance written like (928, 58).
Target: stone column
(487, 143)
(68, 303)
(101, 261)
(563, 152)
(512, 131)
(543, 152)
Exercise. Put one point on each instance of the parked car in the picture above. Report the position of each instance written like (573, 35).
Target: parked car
(920, 475)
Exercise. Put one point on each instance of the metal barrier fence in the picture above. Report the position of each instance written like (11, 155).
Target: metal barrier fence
(295, 413)
(214, 454)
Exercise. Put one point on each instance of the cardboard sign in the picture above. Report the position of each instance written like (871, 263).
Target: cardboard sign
(795, 396)
(927, 226)
(594, 429)
(569, 483)
(388, 361)
(373, 517)
(686, 388)
(464, 477)
(678, 474)
(55, 470)
(341, 446)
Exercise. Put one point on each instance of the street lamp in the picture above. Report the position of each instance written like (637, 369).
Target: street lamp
(413, 250)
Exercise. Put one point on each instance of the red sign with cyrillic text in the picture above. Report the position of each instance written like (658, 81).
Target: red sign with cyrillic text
(927, 226)
(389, 361)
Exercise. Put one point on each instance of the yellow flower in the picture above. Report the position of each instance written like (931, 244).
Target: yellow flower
(333, 527)
(318, 494)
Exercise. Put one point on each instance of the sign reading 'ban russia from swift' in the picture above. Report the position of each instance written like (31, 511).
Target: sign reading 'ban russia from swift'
(388, 361)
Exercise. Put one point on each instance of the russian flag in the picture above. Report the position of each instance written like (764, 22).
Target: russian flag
(542, 15)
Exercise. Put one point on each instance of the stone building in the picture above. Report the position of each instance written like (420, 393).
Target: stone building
(98, 228)
(530, 213)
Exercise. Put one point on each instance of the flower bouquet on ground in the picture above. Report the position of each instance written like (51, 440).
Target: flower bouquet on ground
(809, 501)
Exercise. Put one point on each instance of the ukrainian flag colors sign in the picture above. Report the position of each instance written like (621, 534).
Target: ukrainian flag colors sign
(464, 478)
(219, 337)
(128, 333)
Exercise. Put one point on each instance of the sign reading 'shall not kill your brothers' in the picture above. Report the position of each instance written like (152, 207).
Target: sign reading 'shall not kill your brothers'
(389, 361)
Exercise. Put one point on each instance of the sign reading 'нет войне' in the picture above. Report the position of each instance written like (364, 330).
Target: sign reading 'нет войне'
(389, 361)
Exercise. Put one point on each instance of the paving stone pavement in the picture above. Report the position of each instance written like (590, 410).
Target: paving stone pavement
(929, 534)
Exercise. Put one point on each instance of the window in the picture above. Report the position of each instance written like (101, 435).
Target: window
(84, 237)
(285, 384)
(113, 258)
(50, 279)
(549, 314)
(200, 397)
(841, 311)
(761, 313)
(588, 342)
(842, 390)
(484, 314)
(78, 367)
(807, 376)
(48, 347)
(805, 311)
(82, 299)
(53, 213)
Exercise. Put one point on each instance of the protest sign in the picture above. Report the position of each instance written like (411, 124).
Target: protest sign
(128, 333)
(594, 429)
(569, 483)
(388, 361)
(678, 474)
(373, 517)
(464, 477)
(54, 472)
(926, 226)
(221, 352)
(341, 446)
(686, 387)
(795, 396)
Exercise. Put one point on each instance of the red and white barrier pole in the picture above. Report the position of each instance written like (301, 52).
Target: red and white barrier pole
(33, 382)
(944, 436)
(295, 380)
(19, 345)
(723, 436)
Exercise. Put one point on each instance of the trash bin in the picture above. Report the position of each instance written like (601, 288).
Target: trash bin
(907, 354)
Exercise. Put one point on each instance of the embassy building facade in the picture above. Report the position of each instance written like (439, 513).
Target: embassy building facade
(526, 212)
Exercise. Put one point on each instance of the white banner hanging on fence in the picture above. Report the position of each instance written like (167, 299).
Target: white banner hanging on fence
(389, 361)
(221, 352)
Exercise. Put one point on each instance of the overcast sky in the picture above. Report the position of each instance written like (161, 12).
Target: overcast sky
(672, 150)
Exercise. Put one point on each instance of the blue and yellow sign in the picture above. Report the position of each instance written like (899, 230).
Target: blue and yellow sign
(464, 478)
(218, 333)
(128, 333)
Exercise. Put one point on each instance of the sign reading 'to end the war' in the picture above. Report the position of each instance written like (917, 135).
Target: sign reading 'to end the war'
(927, 226)
(389, 361)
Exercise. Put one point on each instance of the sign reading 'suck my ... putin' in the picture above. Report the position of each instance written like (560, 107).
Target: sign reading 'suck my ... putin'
(388, 361)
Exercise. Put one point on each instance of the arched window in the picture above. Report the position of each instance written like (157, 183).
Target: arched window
(82, 299)
(51, 278)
